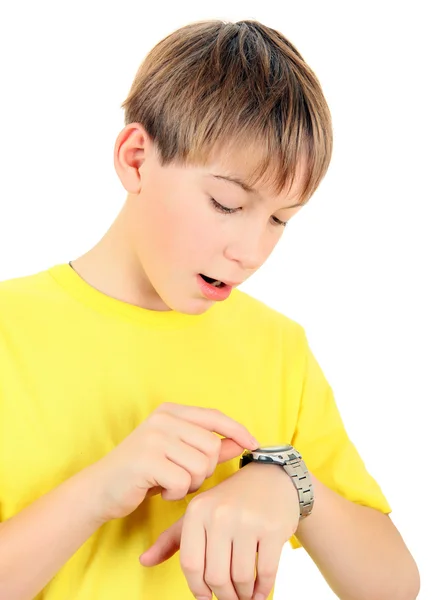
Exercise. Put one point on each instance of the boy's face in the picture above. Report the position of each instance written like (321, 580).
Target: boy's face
(178, 233)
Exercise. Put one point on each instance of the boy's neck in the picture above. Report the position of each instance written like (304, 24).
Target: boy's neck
(112, 268)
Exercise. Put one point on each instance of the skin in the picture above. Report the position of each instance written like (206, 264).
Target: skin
(168, 230)
(229, 532)
(166, 233)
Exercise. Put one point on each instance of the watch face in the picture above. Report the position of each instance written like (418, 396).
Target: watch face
(273, 449)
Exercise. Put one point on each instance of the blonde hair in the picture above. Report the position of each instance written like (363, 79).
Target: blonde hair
(220, 84)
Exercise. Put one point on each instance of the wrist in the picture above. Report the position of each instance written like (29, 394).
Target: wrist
(275, 478)
(291, 462)
(91, 493)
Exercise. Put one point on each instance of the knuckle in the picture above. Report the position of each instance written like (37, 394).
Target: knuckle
(243, 576)
(249, 521)
(197, 504)
(216, 580)
(163, 407)
(158, 410)
(157, 419)
(242, 579)
(184, 480)
(195, 485)
(199, 466)
(162, 421)
(214, 444)
(215, 412)
(267, 575)
(189, 565)
(223, 515)
(163, 413)
(198, 592)
(179, 489)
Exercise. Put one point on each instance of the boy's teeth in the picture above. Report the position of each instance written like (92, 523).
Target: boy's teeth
(213, 282)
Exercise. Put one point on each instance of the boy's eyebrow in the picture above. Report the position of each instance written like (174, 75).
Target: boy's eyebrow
(245, 186)
(237, 181)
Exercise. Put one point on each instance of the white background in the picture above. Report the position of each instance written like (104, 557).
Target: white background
(354, 267)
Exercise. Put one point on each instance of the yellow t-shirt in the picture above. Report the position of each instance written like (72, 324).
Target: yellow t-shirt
(80, 370)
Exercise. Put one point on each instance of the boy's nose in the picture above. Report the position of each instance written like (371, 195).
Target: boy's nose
(248, 252)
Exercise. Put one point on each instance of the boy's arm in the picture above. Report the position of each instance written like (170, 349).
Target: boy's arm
(37, 542)
(350, 538)
(358, 549)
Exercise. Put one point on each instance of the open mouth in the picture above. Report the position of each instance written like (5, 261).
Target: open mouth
(214, 282)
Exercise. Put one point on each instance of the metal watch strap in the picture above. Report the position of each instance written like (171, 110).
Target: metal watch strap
(303, 484)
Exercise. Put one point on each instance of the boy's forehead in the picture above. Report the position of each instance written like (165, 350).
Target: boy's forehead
(240, 166)
(237, 160)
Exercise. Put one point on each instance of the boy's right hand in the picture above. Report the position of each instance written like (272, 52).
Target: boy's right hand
(174, 449)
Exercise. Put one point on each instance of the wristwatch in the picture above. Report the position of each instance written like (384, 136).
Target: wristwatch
(291, 461)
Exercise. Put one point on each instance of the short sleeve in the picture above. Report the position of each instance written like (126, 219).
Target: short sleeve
(324, 444)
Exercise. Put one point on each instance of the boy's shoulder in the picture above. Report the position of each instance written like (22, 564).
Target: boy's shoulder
(23, 296)
(23, 285)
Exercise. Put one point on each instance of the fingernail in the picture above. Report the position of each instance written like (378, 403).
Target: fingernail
(259, 597)
(255, 443)
(203, 598)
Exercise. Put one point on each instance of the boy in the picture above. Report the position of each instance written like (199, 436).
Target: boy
(113, 365)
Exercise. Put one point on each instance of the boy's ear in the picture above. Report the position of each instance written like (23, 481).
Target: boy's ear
(132, 146)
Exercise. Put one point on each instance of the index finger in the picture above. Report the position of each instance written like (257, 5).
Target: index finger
(212, 420)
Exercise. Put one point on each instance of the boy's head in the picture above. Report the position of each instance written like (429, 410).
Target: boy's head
(213, 100)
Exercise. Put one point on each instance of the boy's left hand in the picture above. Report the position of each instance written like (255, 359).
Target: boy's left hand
(256, 510)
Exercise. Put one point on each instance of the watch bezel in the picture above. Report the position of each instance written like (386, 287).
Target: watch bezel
(278, 455)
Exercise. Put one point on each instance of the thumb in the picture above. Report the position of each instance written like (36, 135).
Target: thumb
(165, 546)
(229, 450)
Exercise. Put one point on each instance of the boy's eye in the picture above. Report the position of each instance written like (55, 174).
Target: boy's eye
(278, 222)
(228, 211)
(221, 208)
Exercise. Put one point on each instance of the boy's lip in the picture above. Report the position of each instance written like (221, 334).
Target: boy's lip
(231, 283)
